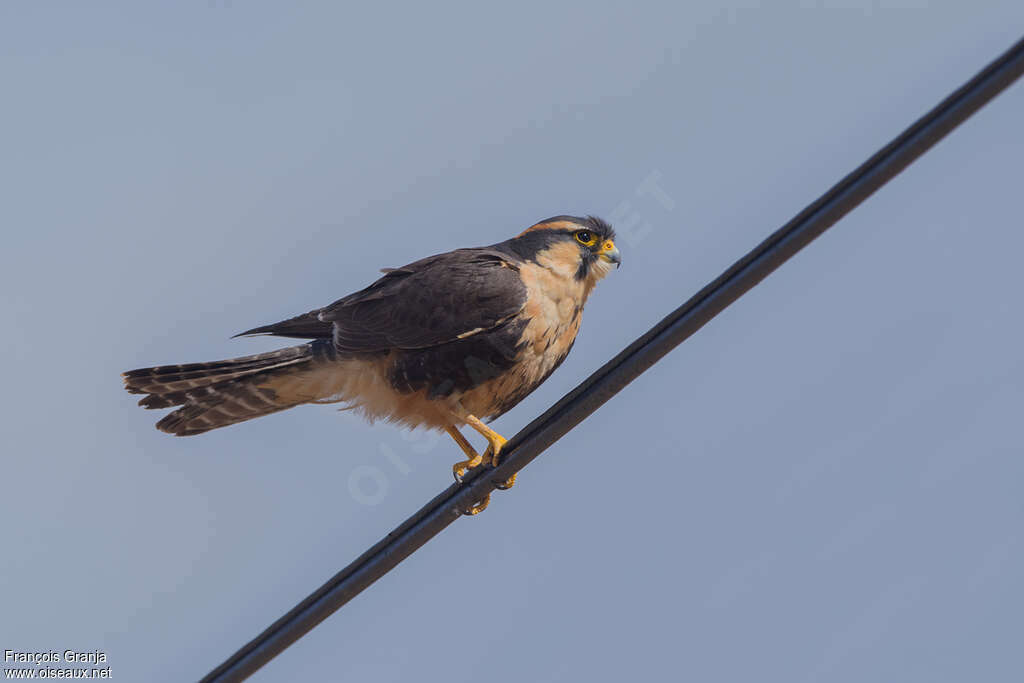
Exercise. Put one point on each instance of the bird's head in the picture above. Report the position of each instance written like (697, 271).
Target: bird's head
(582, 247)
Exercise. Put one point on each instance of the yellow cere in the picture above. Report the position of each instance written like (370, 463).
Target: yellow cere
(608, 245)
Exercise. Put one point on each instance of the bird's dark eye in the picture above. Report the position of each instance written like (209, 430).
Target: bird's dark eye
(585, 237)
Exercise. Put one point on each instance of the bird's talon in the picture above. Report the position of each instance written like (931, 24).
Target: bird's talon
(507, 484)
(459, 469)
(478, 507)
(494, 450)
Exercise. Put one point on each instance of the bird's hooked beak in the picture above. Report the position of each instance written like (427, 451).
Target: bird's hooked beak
(610, 253)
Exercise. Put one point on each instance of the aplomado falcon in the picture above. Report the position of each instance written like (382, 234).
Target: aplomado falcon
(451, 340)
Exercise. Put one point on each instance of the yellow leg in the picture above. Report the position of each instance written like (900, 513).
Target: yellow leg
(495, 442)
(459, 469)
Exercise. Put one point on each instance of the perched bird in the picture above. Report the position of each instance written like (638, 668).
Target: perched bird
(451, 340)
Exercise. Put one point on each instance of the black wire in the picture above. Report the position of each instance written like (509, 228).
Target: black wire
(628, 365)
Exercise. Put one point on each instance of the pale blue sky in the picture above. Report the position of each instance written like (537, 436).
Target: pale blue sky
(823, 484)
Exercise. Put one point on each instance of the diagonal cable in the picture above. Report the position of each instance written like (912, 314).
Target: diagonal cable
(628, 365)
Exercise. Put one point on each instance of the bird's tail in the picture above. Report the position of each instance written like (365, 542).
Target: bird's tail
(222, 393)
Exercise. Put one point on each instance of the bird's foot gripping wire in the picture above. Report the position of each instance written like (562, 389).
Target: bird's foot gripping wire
(460, 468)
(478, 507)
(495, 442)
(495, 455)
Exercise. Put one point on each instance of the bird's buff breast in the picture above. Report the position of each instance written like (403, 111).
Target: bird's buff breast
(554, 304)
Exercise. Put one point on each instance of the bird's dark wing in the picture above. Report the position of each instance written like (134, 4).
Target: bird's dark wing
(305, 326)
(430, 302)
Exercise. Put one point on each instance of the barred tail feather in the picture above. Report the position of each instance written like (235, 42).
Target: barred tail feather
(222, 393)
